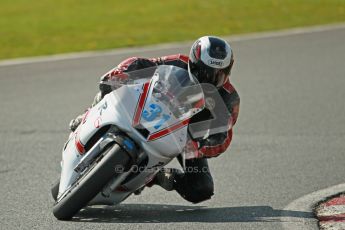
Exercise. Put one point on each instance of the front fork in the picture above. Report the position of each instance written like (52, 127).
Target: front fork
(73, 166)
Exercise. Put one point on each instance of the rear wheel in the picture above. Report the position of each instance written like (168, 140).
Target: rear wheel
(91, 183)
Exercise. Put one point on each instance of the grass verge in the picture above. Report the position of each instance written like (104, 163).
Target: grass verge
(29, 28)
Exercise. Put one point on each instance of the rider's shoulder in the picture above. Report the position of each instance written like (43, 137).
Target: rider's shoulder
(228, 87)
(175, 57)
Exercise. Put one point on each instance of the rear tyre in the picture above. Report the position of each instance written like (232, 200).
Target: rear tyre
(93, 181)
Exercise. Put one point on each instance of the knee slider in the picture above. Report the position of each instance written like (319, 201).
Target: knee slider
(200, 193)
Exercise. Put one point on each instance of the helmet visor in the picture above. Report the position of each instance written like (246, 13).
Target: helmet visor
(207, 74)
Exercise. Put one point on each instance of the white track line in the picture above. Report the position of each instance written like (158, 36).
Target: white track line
(161, 47)
(333, 225)
(306, 204)
(331, 210)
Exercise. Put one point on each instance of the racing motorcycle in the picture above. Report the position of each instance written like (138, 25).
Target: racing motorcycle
(132, 133)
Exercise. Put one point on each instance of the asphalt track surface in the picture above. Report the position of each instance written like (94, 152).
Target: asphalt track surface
(288, 142)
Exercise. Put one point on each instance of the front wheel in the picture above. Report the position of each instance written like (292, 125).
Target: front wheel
(91, 183)
(55, 189)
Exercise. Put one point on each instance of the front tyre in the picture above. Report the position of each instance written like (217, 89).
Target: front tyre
(55, 189)
(93, 181)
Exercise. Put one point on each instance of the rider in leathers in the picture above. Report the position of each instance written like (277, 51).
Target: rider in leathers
(193, 185)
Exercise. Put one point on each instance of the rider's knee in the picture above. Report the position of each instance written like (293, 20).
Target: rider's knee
(200, 193)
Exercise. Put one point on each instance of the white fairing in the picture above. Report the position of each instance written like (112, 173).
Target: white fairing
(130, 107)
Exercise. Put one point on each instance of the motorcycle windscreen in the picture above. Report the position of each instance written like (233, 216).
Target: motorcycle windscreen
(172, 98)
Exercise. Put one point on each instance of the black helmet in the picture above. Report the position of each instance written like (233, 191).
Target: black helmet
(210, 60)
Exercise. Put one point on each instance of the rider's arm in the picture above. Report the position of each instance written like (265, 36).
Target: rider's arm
(216, 144)
(136, 63)
(130, 64)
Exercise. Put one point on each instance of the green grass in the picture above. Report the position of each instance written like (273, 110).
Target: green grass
(39, 27)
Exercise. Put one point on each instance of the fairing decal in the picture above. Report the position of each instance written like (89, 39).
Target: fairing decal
(168, 130)
(141, 103)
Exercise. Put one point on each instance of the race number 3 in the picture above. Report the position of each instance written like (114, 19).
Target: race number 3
(155, 111)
